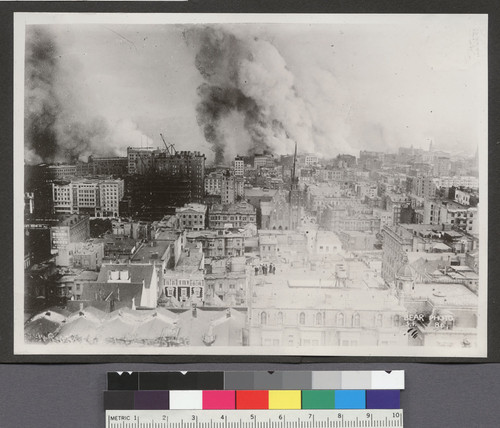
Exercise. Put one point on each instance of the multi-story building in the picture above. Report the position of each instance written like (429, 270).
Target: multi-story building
(232, 188)
(192, 216)
(133, 229)
(447, 212)
(469, 182)
(330, 174)
(397, 241)
(396, 203)
(239, 166)
(59, 172)
(219, 243)
(386, 217)
(359, 222)
(357, 241)
(310, 159)
(226, 282)
(81, 255)
(185, 164)
(184, 285)
(442, 166)
(213, 183)
(110, 165)
(73, 228)
(236, 215)
(422, 241)
(62, 197)
(228, 191)
(425, 187)
(111, 192)
(367, 190)
(332, 310)
(93, 197)
(263, 161)
(138, 158)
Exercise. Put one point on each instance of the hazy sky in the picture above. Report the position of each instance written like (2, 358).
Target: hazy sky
(336, 88)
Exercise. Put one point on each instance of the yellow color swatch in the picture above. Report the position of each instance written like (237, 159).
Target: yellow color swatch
(284, 399)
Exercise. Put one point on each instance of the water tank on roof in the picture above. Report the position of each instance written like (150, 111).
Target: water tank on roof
(124, 275)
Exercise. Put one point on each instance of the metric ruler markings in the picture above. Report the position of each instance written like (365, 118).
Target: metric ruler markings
(359, 418)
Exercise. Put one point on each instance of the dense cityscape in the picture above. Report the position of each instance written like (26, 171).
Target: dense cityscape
(160, 248)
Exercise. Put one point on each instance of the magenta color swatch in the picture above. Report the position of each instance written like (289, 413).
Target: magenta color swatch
(218, 400)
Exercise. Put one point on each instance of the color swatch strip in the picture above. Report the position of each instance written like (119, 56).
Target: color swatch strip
(256, 380)
(251, 399)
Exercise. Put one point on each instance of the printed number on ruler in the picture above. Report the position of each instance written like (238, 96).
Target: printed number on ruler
(356, 418)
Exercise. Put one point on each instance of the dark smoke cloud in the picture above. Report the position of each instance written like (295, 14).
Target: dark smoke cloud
(219, 59)
(41, 104)
(59, 126)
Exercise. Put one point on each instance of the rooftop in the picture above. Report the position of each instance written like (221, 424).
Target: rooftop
(151, 251)
(137, 273)
(315, 289)
(87, 275)
(190, 261)
(238, 208)
(199, 208)
(259, 192)
(445, 295)
(72, 220)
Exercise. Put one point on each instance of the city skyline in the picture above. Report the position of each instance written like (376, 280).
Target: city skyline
(271, 185)
(333, 90)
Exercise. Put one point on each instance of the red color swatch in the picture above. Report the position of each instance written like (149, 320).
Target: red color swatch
(252, 400)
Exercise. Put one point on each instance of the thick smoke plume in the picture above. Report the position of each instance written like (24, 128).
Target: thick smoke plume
(59, 126)
(247, 77)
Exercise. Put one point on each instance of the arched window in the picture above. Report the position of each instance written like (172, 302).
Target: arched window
(263, 318)
(340, 319)
(319, 319)
(397, 321)
(356, 320)
(280, 317)
(302, 318)
(378, 320)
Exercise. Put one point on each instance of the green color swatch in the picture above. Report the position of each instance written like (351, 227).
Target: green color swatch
(318, 399)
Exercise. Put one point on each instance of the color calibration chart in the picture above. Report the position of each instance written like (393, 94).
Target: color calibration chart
(279, 399)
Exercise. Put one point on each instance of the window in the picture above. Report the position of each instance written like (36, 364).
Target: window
(280, 318)
(340, 319)
(319, 319)
(302, 318)
(263, 318)
(396, 321)
(355, 320)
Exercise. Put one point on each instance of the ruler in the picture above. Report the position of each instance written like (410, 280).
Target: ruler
(356, 418)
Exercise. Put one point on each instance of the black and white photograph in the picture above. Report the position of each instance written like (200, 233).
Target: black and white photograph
(250, 184)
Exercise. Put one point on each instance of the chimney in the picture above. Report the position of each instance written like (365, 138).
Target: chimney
(228, 313)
